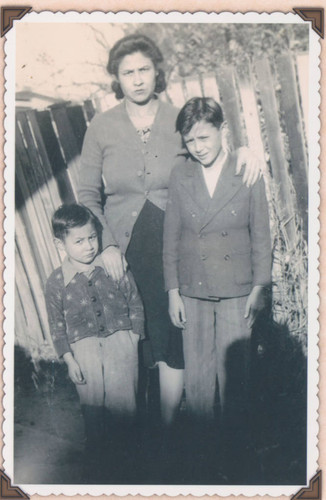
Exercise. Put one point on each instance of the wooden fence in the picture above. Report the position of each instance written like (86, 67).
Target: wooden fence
(266, 108)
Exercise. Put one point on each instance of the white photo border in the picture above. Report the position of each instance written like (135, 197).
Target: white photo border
(313, 326)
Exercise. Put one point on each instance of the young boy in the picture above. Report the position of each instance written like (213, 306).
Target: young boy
(95, 324)
(217, 256)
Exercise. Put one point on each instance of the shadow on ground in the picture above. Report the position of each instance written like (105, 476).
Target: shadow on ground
(265, 444)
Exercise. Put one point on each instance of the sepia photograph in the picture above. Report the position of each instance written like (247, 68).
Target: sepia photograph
(161, 224)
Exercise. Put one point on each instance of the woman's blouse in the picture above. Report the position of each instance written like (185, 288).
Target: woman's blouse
(132, 170)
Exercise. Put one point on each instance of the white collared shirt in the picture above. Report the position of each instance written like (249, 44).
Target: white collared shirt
(212, 175)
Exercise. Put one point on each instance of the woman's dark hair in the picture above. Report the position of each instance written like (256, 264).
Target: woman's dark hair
(129, 45)
(69, 216)
(196, 110)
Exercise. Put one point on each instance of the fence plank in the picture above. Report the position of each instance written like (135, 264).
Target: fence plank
(38, 223)
(193, 88)
(66, 133)
(175, 93)
(54, 155)
(77, 120)
(276, 146)
(20, 320)
(33, 334)
(30, 266)
(231, 106)
(36, 171)
(210, 87)
(89, 110)
(293, 124)
(250, 112)
(303, 76)
(44, 160)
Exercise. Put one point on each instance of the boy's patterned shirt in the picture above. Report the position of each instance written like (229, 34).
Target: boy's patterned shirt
(82, 306)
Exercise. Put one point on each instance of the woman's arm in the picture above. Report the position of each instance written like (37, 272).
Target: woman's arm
(89, 187)
(89, 193)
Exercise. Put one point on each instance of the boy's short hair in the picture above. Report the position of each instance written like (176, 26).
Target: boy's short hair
(196, 110)
(72, 215)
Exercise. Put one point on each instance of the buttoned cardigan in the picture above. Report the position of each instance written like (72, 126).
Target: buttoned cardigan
(96, 306)
(132, 172)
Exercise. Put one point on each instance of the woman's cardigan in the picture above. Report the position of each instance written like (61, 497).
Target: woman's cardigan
(132, 172)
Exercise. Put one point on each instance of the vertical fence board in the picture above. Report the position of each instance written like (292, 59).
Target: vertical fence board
(30, 266)
(54, 155)
(33, 334)
(40, 233)
(193, 88)
(303, 76)
(20, 319)
(66, 133)
(89, 110)
(175, 93)
(250, 113)
(230, 103)
(77, 120)
(276, 146)
(210, 87)
(38, 174)
(44, 160)
(292, 119)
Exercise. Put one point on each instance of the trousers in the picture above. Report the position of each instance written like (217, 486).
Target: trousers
(216, 343)
(110, 368)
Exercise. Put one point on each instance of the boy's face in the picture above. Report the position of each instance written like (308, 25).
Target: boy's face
(81, 244)
(204, 143)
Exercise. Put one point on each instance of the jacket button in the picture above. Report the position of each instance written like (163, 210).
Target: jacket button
(139, 173)
(226, 257)
(224, 233)
(193, 215)
(233, 212)
(199, 283)
(203, 257)
(93, 299)
(98, 313)
(101, 328)
(134, 213)
(146, 193)
(127, 234)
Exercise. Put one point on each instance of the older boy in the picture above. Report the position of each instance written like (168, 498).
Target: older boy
(217, 255)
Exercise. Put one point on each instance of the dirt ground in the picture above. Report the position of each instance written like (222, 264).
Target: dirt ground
(49, 431)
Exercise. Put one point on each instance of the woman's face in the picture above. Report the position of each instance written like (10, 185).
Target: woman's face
(137, 77)
(204, 143)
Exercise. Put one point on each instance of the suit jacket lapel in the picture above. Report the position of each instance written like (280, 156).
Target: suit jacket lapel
(228, 185)
(194, 184)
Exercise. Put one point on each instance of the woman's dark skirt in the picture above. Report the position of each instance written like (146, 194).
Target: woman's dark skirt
(144, 256)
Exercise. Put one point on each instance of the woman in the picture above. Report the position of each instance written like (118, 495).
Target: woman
(133, 148)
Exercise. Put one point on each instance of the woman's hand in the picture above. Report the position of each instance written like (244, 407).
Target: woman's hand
(114, 262)
(177, 309)
(252, 164)
(255, 304)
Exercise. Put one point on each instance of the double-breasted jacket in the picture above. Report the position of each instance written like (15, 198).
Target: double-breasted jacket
(216, 247)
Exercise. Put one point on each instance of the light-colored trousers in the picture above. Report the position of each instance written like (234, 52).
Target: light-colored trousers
(110, 367)
(214, 331)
